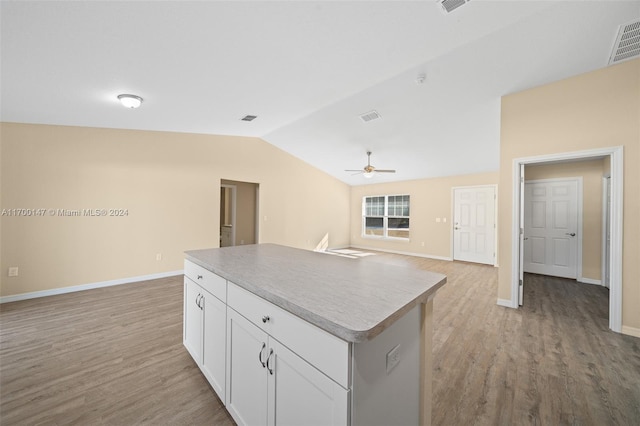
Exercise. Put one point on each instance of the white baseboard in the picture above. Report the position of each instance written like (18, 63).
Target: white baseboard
(631, 331)
(406, 253)
(71, 289)
(589, 281)
(506, 303)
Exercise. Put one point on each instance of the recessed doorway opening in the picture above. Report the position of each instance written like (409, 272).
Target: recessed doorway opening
(615, 225)
(238, 213)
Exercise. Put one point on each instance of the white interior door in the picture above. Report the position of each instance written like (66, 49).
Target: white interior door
(521, 238)
(474, 224)
(606, 210)
(227, 215)
(551, 227)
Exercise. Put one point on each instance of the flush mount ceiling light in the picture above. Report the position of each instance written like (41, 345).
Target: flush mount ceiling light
(130, 101)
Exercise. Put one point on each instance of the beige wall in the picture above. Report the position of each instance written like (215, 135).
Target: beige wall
(430, 199)
(589, 111)
(591, 173)
(170, 184)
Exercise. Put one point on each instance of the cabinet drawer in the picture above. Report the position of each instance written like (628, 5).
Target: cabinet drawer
(319, 348)
(206, 279)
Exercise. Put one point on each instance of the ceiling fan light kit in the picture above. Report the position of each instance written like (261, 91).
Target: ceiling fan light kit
(369, 171)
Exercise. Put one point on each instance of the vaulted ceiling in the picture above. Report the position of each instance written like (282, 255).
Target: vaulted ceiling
(306, 69)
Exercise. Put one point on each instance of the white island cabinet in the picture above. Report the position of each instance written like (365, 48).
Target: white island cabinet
(311, 339)
(204, 333)
(269, 384)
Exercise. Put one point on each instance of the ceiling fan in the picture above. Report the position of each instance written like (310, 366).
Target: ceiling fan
(368, 171)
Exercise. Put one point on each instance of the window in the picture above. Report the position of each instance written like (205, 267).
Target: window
(386, 216)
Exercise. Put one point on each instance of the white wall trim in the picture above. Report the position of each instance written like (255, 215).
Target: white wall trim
(90, 286)
(589, 281)
(631, 331)
(507, 303)
(616, 154)
(406, 253)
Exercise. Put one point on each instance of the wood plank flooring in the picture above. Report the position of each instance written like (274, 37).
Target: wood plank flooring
(114, 356)
(110, 356)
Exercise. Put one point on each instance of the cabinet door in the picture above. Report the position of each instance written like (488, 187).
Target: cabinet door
(299, 394)
(246, 376)
(192, 333)
(214, 342)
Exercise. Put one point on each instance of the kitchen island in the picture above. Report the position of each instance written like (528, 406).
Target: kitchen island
(290, 336)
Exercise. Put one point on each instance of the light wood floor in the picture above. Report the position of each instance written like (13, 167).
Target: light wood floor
(114, 356)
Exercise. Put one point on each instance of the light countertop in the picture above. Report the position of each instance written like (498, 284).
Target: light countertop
(352, 299)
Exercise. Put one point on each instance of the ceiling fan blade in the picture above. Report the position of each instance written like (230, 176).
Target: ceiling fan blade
(369, 170)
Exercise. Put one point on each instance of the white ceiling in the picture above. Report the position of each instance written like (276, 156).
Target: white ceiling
(307, 69)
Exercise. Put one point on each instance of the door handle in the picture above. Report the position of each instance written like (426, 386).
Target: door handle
(572, 234)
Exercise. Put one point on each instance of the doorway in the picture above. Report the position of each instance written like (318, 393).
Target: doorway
(615, 155)
(474, 229)
(238, 213)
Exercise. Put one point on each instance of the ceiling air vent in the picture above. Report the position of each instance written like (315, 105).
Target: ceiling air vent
(249, 117)
(627, 45)
(369, 116)
(450, 5)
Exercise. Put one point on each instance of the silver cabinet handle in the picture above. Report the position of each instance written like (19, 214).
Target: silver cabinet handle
(264, 345)
(199, 277)
(199, 301)
(572, 234)
(268, 359)
(265, 319)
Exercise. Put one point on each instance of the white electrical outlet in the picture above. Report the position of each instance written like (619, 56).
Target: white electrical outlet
(159, 256)
(13, 271)
(393, 358)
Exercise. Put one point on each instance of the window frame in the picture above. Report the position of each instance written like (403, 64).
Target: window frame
(385, 218)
